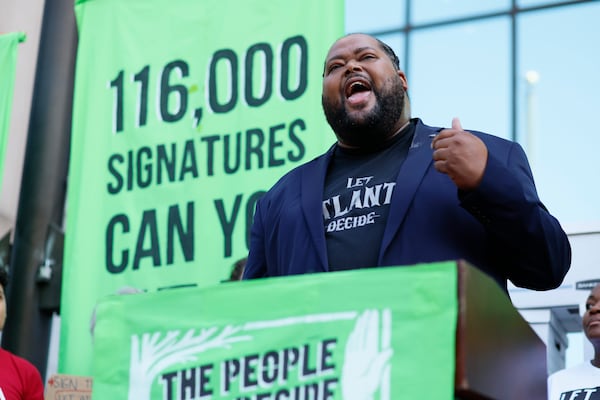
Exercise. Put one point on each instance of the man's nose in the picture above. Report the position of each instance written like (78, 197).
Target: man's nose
(353, 66)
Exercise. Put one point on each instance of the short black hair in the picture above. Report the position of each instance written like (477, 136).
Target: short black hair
(390, 53)
(384, 46)
(237, 272)
(3, 276)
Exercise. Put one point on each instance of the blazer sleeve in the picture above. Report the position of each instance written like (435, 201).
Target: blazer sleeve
(524, 238)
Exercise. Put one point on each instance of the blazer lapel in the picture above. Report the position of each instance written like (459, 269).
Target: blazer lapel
(311, 194)
(407, 183)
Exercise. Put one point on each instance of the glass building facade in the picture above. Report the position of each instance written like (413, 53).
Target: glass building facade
(527, 70)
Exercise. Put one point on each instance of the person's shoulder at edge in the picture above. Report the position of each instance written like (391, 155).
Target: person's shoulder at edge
(569, 371)
(23, 365)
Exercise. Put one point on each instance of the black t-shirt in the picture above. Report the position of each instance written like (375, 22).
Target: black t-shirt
(357, 196)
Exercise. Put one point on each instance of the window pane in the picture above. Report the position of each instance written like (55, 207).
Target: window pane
(462, 71)
(558, 108)
(532, 3)
(375, 15)
(424, 11)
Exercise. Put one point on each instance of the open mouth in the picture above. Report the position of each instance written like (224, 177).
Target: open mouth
(594, 324)
(357, 89)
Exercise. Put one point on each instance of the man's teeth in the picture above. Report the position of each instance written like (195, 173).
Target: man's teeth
(356, 87)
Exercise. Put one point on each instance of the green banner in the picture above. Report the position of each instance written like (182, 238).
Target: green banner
(8, 63)
(374, 334)
(185, 112)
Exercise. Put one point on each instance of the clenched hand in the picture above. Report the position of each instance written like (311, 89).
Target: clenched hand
(460, 155)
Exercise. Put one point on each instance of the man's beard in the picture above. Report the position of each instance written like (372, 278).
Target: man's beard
(375, 126)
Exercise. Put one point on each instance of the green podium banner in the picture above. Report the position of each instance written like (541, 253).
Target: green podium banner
(8, 64)
(373, 334)
(185, 112)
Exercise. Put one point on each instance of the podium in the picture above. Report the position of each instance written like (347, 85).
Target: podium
(498, 355)
(440, 331)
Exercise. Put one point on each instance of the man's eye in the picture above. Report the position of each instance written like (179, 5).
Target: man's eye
(333, 67)
(588, 306)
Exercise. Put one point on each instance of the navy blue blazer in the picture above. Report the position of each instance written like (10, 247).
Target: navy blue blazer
(501, 227)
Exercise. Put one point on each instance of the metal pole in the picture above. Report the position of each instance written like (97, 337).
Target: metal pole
(43, 184)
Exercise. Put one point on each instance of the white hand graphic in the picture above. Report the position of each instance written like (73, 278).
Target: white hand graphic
(365, 365)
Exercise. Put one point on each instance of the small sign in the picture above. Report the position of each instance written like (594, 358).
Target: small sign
(68, 387)
(586, 285)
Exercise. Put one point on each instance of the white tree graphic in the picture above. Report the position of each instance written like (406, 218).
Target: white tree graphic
(151, 354)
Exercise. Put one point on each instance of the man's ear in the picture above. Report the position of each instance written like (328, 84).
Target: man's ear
(402, 76)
